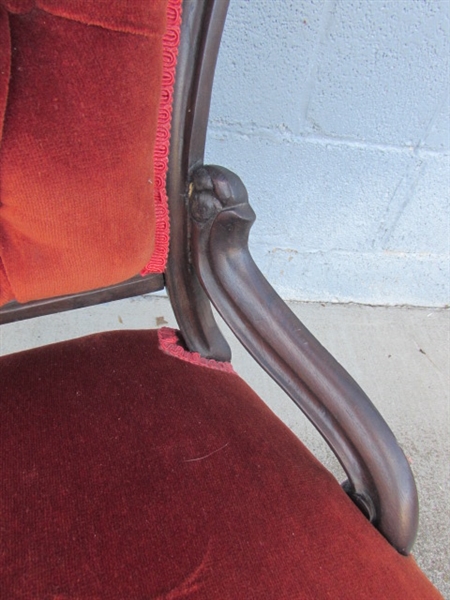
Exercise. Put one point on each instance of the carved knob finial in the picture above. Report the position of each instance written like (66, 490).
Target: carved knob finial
(213, 189)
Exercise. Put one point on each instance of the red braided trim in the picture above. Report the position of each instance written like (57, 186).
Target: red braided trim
(171, 40)
(169, 343)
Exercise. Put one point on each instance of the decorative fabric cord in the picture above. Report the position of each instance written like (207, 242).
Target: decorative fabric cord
(157, 263)
(169, 343)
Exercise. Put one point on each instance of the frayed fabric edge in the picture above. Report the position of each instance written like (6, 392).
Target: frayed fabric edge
(169, 343)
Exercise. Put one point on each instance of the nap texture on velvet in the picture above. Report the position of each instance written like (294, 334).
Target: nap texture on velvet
(166, 479)
(85, 106)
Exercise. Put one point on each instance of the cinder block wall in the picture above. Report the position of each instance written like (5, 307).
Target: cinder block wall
(335, 113)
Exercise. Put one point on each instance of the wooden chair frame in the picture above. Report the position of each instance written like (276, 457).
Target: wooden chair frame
(209, 261)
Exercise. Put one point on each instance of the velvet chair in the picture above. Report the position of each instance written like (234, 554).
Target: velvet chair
(136, 464)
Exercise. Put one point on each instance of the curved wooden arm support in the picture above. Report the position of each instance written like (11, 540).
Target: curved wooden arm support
(380, 480)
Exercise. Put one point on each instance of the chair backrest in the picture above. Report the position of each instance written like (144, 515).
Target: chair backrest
(208, 260)
(188, 107)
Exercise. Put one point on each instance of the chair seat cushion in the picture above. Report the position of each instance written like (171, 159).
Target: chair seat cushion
(85, 106)
(135, 472)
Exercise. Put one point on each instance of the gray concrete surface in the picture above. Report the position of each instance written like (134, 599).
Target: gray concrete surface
(400, 356)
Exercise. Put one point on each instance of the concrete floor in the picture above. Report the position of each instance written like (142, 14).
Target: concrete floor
(400, 356)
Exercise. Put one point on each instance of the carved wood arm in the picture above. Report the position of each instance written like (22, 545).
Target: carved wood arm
(380, 481)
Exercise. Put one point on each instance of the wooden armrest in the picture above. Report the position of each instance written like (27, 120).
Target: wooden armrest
(379, 477)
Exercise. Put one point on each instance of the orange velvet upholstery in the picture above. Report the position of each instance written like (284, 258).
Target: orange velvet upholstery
(161, 479)
(80, 95)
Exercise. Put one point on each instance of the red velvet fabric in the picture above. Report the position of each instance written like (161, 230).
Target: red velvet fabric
(80, 92)
(130, 474)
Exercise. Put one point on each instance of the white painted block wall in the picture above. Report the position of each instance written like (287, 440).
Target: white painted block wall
(335, 113)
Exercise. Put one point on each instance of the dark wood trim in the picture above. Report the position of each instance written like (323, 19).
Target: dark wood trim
(202, 26)
(133, 287)
(380, 479)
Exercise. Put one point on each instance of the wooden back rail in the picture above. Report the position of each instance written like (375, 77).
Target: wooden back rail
(210, 219)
